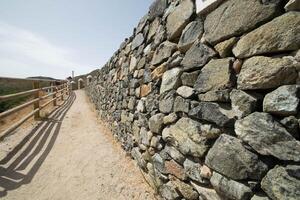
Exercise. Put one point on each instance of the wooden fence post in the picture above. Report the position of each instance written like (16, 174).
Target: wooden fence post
(54, 97)
(36, 105)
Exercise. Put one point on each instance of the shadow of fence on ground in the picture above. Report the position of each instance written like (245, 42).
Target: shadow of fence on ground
(32, 151)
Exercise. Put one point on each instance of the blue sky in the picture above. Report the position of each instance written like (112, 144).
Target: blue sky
(54, 37)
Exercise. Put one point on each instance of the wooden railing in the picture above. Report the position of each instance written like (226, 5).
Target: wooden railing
(56, 92)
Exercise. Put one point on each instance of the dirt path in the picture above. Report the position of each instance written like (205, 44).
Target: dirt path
(71, 156)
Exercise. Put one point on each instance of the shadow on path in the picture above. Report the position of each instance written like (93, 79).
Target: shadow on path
(32, 151)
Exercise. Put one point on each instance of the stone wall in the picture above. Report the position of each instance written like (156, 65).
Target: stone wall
(208, 106)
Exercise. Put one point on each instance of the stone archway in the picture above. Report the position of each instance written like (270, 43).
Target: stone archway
(80, 83)
(89, 79)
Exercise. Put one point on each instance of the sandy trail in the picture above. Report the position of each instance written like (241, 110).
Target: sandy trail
(71, 156)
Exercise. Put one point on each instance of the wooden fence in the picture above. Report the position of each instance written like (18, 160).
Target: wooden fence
(57, 92)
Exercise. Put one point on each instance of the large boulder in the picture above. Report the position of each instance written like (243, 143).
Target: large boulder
(229, 188)
(163, 52)
(268, 137)
(157, 8)
(283, 101)
(170, 80)
(185, 135)
(281, 34)
(261, 72)
(216, 75)
(197, 56)
(223, 158)
(282, 182)
(179, 18)
(246, 15)
(190, 34)
(212, 112)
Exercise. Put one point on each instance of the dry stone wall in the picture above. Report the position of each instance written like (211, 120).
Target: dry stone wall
(208, 105)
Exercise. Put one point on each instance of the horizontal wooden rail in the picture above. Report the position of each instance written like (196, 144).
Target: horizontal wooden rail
(57, 93)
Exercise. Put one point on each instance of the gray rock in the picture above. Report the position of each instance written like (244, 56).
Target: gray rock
(181, 105)
(292, 5)
(156, 123)
(141, 25)
(215, 96)
(153, 29)
(212, 112)
(184, 135)
(158, 163)
(137, 41)
(141, 63)
(169, 192)
(166, 102)
(145, 136)
(171, 118)
(224, 159)
(282, 182)
(170, 80)
(186, 190)
(256, 197)
(179, 18)
(247, 15)
(216, 75)
(197, 56)
(185, 91)
(281, 34)
(174, 154)
(190, 34)
(283, 101)
(141, 106)
(157, 8)
(131, 103)
(261, 72)
(163, 52)
(193, 171)
(189, 79)
(210, 131)
(267, 136)
(225, 48)
(206, 193)
(135, 153)
(243, 103)
(229, 188)
(292, 126)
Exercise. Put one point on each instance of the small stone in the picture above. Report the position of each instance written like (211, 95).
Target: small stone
(141, 106)
(225, 48)
(157, 9)
(206, 172)
(185, 91)
(131, 103)
(280, 34)
(216, 75)
(292, 126)
(156, 123)
(230, 188)
(184, 135)
(267, 136)
(135, 153)
(190, 34)
(175, 169)
(145, 90)
(158, 72)
(168, 191)
(193, 171)
(261, 72)
(215, 96)
(174, 154)
(170, 80)
(145, 136)
(282, 182)
(292, 5)
(181, 105)
(247, 15)
(256, 197)
(153, 29)
(171, 118)
(222, 157)
(283, 101)
(137, 41)
(141, 64)
(154, 142)
(166, 102)
(189, 79)
(133, 63)
(179, 18)
(237, 66)
(163, 52)
(212, 112)
(186, 190)
(159, 163)
(206, 193)
(197, 56)
(243, 103)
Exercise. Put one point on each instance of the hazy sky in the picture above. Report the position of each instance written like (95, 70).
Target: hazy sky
(54, 37)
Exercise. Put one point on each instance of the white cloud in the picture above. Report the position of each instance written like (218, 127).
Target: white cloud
(24, 53)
